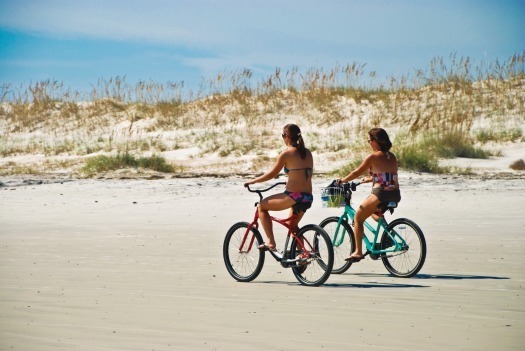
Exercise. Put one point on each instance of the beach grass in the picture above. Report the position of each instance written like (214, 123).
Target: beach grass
(452, 108)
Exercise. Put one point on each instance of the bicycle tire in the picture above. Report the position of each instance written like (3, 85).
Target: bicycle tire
(243, 266)
(316, 269)
(342, 249)
(408, 263)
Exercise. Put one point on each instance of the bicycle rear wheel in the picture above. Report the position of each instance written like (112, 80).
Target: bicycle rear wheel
(410, 260)
(315, 265)
(243, 260)
(343, 243)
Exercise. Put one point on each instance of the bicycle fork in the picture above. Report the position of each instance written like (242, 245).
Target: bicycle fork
(339, 234)
(246, 235)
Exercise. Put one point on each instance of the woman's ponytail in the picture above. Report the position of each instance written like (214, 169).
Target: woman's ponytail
(294, 133)
(300, 146)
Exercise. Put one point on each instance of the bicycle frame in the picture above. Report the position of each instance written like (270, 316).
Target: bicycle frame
(371, 245)
(399, 244)
(286, 222)
(308, 250)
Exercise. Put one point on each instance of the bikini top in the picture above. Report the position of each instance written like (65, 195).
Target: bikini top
(386, 180)
(307, 171)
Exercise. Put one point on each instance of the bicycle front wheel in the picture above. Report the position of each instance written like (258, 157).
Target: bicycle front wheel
(243, 260)
(316, 261)
(410, 259)
(343, 241)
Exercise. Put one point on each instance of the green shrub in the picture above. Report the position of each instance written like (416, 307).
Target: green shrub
(103, 163)
(418, 159)
(452, 145)
(486, 135)
(156, 163)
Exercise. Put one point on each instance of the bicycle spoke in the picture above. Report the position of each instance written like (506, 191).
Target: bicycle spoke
(243, 264)
(316, 268)
(408, 260)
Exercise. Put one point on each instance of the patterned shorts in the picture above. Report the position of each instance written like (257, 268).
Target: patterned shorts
(303, 201)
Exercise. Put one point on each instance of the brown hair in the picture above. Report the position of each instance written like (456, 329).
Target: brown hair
(294, 133)
(381, 137)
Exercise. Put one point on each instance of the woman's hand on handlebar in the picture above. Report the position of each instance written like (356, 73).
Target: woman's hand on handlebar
(366, 179)
(248, 183)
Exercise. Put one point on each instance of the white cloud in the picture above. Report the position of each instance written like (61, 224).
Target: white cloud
(212, 35)
(218, 23)
(227, 24)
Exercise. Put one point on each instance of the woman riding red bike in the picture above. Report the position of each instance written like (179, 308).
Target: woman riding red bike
(297, 162)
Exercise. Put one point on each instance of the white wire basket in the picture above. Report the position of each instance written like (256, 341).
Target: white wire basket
(333, 197)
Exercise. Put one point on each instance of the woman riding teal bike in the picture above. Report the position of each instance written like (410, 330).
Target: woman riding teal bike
(399, 244)
(382, 167)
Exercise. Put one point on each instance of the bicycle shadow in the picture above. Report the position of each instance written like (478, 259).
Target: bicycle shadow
(351, 285)
(411, 285)
(457, 277)
(374, 285)
(388, 285)
(434, 276)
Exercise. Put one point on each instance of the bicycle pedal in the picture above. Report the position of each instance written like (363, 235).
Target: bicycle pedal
(276, 254)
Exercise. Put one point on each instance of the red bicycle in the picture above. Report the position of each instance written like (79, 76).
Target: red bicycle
(307, 251)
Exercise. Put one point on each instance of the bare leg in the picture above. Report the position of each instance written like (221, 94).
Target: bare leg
(277, 202)
(295, 226)
(367, 208)
(295, 223)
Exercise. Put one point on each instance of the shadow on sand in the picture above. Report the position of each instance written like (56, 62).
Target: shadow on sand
(456, 277)
(350, 285)
(391, 285)
(433, 276)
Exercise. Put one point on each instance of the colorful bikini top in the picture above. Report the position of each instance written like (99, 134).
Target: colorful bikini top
(307, 171)
(386, 180)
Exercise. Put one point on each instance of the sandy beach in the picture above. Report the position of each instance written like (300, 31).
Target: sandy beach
(125, 144)
(137, 265)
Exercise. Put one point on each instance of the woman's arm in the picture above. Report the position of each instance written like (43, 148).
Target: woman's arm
(363, 167)
(272, 173)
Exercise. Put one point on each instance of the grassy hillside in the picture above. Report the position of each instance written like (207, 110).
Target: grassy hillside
(233, 123)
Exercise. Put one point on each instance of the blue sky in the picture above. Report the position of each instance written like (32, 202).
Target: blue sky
(78, 42)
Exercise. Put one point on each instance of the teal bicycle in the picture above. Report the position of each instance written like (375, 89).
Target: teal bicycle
(400, 244)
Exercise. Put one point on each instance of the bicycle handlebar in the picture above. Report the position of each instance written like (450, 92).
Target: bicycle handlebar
(259, 191)
(351, 186)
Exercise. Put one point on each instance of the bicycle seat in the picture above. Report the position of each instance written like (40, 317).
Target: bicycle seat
(391, 204)
(386, 206)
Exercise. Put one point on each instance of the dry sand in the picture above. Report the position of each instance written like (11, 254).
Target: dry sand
(137, 265)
